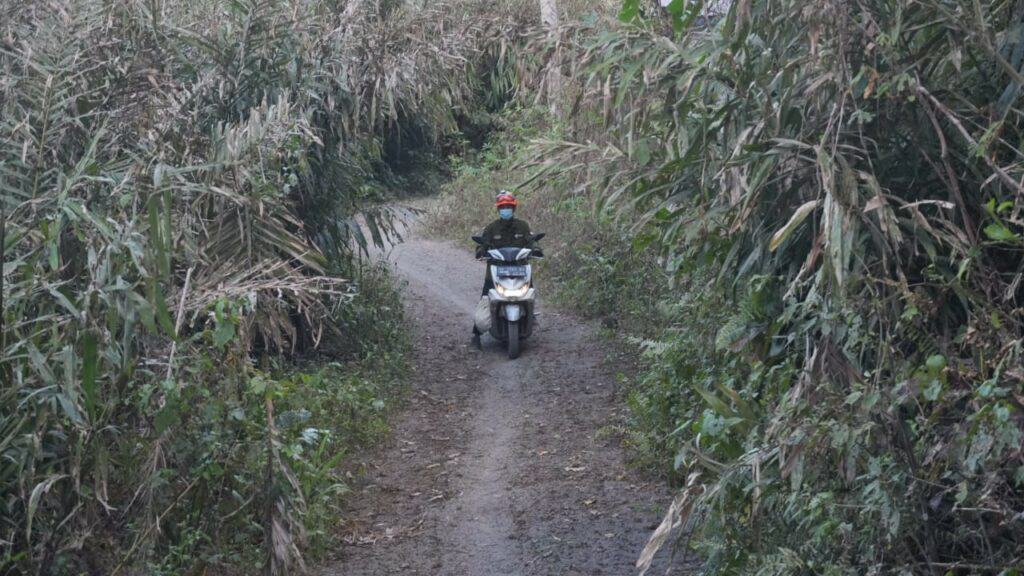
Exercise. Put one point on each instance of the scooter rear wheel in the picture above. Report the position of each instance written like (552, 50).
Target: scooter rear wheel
(513, 340)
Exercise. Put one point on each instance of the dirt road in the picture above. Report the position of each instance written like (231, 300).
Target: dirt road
(497, 467)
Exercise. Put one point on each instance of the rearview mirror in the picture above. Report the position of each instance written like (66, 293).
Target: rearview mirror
(537, 237)
(479, 240)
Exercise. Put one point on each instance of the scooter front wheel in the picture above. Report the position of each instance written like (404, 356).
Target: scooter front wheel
(513, 340)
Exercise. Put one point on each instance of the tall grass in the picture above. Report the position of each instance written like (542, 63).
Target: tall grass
(179, 183)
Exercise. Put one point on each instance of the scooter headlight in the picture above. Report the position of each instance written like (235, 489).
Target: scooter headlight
(517, 292)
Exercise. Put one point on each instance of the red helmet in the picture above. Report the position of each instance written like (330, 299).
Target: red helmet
(506, 199)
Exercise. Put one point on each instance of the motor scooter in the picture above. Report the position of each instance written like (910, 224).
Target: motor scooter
(513, 298)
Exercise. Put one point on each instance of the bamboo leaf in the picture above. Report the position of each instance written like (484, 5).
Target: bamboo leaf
(794, 222)
(38, 492)
(90, 368)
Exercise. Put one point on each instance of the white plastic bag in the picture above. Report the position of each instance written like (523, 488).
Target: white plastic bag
(482, 315)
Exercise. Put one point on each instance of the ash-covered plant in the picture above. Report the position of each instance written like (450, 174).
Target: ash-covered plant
(180, 184)
(848, 174)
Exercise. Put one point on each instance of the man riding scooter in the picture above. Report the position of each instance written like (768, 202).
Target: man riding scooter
(505, 232)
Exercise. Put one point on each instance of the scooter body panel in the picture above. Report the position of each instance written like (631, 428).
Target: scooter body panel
(504, 310)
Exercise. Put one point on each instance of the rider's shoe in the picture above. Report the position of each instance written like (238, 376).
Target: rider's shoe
(476, 342)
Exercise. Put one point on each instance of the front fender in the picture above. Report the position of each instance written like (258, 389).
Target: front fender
(512, 312)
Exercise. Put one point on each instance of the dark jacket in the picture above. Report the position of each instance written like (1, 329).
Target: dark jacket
(505, 234)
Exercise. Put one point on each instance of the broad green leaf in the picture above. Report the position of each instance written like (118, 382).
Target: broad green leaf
(936, 362)
(630, 10)
(999, 232)
(257, 385)
(223, 333)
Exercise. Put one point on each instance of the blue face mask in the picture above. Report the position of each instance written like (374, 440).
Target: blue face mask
(505, 213)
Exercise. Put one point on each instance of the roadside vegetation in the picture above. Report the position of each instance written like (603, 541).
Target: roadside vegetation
(809, 216)
(192, 338)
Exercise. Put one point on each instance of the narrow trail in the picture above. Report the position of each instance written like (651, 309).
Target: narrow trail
(497, 467)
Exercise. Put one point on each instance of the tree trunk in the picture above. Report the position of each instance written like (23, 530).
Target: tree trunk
(553, 81)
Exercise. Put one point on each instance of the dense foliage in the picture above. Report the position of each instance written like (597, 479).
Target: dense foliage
(809, 211)
(835, 188)
(180, 185)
